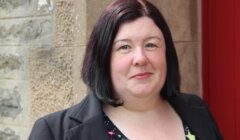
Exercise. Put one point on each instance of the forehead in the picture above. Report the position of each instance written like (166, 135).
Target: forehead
(142, 27)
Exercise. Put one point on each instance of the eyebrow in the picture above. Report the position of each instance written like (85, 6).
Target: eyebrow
(128, 40)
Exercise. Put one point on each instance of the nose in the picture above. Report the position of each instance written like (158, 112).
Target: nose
(140, 58)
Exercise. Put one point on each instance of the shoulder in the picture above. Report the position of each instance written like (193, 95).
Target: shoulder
(64, 116)
(53, 126)
(190, 106)
(190, 100)
(194, 111)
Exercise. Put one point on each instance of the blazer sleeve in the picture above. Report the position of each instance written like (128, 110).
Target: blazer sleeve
(211, 121)
(41, 131)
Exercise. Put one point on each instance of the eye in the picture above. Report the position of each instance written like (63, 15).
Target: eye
(151, 46)
(124, 48)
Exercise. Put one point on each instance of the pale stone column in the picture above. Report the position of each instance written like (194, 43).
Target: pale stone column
(55, 81)
(24, 24)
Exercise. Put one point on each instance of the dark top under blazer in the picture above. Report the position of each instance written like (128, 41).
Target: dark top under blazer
(84, 121)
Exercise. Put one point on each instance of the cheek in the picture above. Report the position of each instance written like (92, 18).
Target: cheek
(160, 65)
(159, 60)
(119, 66)
(164, 70)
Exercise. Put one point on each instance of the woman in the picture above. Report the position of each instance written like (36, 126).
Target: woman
(131, 70)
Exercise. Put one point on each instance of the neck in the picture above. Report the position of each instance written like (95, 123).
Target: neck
(142, 104)
(134, 107)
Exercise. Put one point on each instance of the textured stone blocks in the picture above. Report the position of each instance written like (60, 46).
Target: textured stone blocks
(8, 134)
(24, 24)
(13, 63)
(23, 8)
(36, 31)
(10, 62)
(51, 83)
(10, 103)
(70, 17)
(14, 103)
(13, 133)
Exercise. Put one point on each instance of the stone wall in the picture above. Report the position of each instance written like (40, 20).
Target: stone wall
(41, 48)
(24, 25)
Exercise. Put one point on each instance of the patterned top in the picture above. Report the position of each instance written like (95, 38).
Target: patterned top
(115, 134)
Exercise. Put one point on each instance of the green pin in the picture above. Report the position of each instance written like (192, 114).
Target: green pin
(190, 136)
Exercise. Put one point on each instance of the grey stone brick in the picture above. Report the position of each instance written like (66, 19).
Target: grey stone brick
(13, 132)
(23, 8)
(13, 63)
(8, 134)
(10, 102)
(14, 102)
(10, 62)
(36, 31)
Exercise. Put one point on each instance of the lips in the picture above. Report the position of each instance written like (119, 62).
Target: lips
(143, 75)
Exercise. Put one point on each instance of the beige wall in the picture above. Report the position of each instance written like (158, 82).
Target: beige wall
(41, 48)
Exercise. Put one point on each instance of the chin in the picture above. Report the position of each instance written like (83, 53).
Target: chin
(146, 90)
(141, 93)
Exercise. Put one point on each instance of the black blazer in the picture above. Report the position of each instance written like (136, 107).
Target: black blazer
(84, 121)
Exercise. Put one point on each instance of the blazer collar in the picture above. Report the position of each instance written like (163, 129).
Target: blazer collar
(88, 116)
(193, 113)
(89, 123)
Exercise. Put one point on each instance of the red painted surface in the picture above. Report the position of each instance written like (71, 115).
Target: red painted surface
(237, 64)
(221, 63)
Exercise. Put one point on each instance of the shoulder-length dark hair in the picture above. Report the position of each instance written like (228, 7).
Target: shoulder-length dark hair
(96, 63)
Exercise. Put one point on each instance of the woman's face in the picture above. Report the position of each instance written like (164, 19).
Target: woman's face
(138, 61)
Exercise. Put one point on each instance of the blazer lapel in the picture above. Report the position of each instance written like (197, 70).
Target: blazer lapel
(89, 119)
(195, 116)
(93, 130)
(88, 124)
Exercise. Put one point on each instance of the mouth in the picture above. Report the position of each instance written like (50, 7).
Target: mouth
(143, 75)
